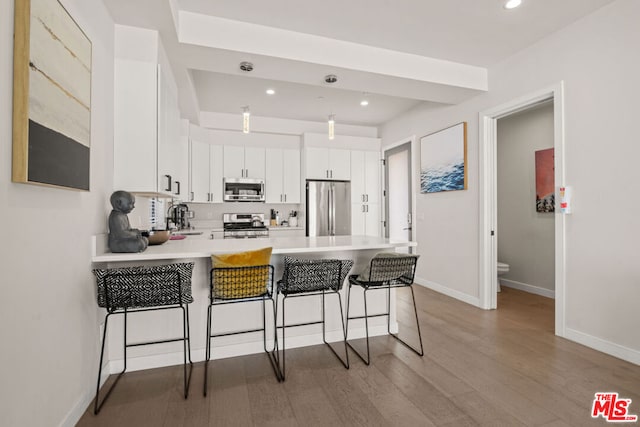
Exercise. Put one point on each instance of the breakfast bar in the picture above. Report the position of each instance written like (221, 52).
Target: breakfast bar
(360, 249)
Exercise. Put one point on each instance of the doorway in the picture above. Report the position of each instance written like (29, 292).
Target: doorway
(525, 201)
(398, 193)
(488, 204)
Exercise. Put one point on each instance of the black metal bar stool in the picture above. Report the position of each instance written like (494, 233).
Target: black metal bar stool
(386, 271)
(140, 289)
(303, 278)
(233, 285)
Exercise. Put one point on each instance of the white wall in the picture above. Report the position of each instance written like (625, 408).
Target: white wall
(598, 61)
(49, 318)
(526, 239)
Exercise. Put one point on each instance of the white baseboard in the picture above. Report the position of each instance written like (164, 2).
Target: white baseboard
(475, 301)
(234, 350)
(76, 412)
(528, 288)
(615, 350)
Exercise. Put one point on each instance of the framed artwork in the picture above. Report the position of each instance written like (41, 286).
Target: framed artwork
(545, 181)
(443, 160)
(51, 97)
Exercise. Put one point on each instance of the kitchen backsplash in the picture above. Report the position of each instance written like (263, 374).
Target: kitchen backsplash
(210, 215)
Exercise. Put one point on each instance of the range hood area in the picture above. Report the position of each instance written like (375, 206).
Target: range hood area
(243, 190)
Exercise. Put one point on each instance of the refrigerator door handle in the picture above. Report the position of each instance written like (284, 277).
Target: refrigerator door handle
(332, 212)
(329, 211)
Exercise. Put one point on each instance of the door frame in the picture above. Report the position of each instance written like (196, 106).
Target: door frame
(488, 250)
(413, 180)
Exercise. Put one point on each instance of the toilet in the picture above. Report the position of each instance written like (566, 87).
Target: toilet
(502, 269)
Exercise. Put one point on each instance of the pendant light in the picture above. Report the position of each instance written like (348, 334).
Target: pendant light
(245, 119)
(332, 125)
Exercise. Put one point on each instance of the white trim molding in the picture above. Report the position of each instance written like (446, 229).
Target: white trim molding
(488, 206)
(445, 290)
(507, 283)
(612, 349)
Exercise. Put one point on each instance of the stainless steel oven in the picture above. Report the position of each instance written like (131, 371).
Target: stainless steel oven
(243, 190)
(244, 226)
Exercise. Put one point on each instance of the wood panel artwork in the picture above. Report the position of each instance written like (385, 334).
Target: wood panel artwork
(51, 97)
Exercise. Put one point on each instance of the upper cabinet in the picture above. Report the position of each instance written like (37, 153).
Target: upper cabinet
(328, 163)
(282, 183)
(148, 148)
(244, 162)
(206, 172)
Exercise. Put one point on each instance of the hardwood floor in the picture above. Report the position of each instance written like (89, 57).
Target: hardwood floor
(492, 368)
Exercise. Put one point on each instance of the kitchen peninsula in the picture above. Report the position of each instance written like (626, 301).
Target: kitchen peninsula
(238, 316)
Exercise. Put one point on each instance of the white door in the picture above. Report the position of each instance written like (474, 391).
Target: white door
(291, 176)
(358, 227)
(339, 164)
(254, 162)
(273, 181)
(357, 177)
(233, 161)
(372, 167)
(372, 219)
(398, 190)
(316, 163)
(216, 165)
(199, 172)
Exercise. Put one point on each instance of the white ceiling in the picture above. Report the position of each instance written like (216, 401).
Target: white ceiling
(398, 53)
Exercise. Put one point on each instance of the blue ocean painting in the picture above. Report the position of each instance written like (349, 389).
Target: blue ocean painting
(442, 160)
(442, 178)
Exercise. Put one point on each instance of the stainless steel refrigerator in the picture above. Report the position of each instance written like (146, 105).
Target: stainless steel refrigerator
(328, 208)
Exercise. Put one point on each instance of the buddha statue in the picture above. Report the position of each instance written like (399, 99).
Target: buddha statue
(123, 238)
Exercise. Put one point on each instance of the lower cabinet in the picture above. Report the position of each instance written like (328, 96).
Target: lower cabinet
(286, 232)
(365, 219)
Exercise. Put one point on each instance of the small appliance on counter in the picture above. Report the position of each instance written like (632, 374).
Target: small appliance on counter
(244, 225)
(293, 219)
(180, 215)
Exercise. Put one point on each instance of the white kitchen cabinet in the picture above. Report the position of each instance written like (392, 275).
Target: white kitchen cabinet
(206, 172)
(328, 163)
(365, 176)
(244, 162)
(365, 193)
(146, 128)
(282, 182)
(365, 219)
(275, 232)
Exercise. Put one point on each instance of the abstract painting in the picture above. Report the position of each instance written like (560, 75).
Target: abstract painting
(545, 184)
(443, 160)
(51, 97)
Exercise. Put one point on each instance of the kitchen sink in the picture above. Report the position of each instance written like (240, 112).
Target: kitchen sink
(188, 233)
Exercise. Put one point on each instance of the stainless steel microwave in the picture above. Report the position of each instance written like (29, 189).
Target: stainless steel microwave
(243, 190)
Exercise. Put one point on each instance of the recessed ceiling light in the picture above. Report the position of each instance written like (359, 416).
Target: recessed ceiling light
(270, 91)
(364, 102)
(512, 4)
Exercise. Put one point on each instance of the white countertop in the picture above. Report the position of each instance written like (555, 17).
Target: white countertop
(200, 248)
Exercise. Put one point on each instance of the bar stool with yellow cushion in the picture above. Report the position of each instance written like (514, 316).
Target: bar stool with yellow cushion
(129, 290)
(386, 270)
(241, 277)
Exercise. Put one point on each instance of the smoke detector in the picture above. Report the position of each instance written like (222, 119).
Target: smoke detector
(246, 66)
(330, 78)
